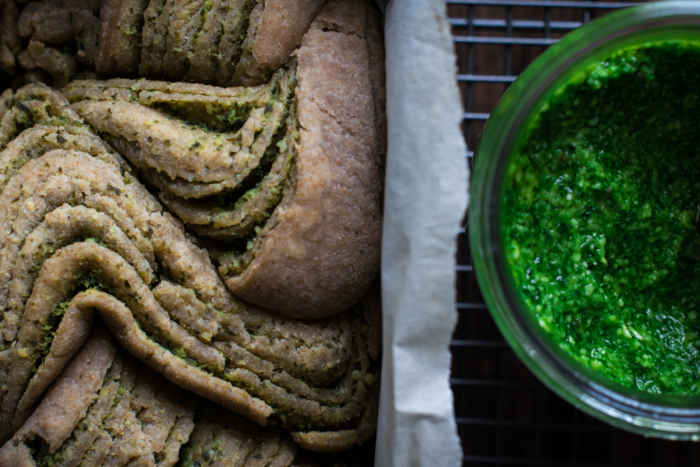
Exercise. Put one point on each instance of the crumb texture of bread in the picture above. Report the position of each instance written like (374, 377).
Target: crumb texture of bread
(328, 230)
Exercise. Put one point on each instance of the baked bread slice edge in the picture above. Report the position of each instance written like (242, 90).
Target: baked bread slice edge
(324, 250)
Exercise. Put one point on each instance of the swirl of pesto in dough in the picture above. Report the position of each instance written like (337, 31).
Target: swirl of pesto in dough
(80, 235)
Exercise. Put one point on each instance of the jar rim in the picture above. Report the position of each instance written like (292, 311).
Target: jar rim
(662, 415)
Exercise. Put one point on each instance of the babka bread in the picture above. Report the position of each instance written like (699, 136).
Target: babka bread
(286, 174)
(226, 237)
(79, 234)
(222, 42)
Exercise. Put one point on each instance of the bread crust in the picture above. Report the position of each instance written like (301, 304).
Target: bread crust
(324, 250)
(277, 32)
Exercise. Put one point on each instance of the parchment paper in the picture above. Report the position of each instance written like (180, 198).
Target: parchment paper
(426, 197)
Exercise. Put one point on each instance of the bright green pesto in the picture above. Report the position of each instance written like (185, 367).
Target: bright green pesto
(600, 201)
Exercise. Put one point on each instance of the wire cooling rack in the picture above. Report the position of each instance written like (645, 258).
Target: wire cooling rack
(505, 416)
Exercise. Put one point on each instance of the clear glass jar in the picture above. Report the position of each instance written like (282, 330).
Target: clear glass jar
(662, 415)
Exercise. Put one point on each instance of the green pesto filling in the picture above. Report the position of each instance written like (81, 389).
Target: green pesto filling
(251, 184)
(91, 281)
(293, 417)
(240, 252)
(227, 115)
(240, 25)
(204, 446)
(181, 354)
(198, 35)
(200, 24)
(223, 117)
(599, 205)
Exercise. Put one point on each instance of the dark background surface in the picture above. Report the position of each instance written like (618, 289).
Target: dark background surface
(505, 416)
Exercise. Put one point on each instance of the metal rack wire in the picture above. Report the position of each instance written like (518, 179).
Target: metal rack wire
(505, 416)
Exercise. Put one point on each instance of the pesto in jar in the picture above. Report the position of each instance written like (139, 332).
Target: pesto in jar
(600, 202)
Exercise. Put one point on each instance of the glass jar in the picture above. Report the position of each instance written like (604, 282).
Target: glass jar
(662, 415)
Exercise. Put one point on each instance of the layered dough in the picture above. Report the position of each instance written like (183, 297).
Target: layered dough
(106, 409)
(285, 177)
(281, 182)
(222, 42)
(80, 236)
(222, 440)
(221, 157)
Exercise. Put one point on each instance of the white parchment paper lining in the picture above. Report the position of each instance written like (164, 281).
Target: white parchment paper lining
(426, 197)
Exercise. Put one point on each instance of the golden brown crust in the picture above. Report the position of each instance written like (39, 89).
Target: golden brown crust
(324, 250)
(278, 30)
